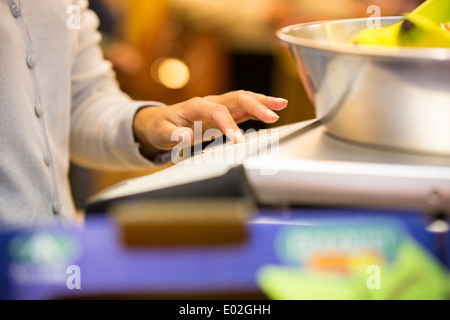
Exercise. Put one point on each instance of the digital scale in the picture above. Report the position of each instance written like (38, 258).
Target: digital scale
(297, 165)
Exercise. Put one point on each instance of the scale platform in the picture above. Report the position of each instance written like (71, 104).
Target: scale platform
(297, 165)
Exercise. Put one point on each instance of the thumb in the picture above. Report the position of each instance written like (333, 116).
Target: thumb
(181, 137)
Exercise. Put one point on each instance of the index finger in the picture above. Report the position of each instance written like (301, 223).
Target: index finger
(201, 109)
(255, 104)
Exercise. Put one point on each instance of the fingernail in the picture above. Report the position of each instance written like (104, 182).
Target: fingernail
(272, 114)
(239, 136)
(281, 100)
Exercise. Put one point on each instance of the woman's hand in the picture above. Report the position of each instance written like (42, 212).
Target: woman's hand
(155, 127)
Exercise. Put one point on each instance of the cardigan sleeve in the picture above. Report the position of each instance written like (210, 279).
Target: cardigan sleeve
(101, 134)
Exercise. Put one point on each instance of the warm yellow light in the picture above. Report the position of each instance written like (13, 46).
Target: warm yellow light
(173, 73)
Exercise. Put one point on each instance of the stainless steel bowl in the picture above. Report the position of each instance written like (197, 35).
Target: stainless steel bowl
(385, 96)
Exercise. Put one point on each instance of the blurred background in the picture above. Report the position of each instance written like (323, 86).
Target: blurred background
(173, 50)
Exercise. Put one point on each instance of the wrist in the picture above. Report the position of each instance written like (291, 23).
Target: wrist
(143, 127)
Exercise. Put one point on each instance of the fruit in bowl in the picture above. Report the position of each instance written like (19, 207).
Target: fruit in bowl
(427, 26)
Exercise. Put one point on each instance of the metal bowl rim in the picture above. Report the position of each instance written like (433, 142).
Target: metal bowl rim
(438, 54)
